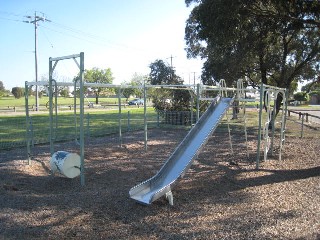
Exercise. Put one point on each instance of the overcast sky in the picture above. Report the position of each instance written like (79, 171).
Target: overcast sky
(124, 35)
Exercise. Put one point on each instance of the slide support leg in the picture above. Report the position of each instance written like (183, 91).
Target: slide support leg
(169, 196)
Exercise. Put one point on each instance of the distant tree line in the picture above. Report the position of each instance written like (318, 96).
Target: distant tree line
(3, 91)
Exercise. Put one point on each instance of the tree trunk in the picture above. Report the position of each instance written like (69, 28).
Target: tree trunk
(263, 72)
(276, 108)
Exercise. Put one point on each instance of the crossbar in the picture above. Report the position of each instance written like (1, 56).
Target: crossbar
(65, 57)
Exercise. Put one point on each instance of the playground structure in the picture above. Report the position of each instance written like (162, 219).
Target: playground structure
(215, 112)
(181, 159)
(183, 156)
(266, 92)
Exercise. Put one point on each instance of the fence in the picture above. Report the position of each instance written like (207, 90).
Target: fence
(178, 118)
(305, 120)
(106, 124)
(12, 132)
(13, 128)
(306, 115)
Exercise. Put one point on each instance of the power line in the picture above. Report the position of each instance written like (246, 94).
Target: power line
(10, 13)
(45, 35)
(87, 35)
(9, 19)
(94, 39)
(72, 35)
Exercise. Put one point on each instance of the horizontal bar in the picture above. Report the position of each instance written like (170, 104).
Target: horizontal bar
(108, 85)
(247, 100)
(39, 83)
(206, 99)
(65, 57)
(88, 84)
(273, 87)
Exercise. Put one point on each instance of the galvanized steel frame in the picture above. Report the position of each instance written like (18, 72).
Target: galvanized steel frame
(79, 82)
(196, 89)
(265, 100)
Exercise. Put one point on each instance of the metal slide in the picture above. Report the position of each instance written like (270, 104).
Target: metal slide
(183, 156)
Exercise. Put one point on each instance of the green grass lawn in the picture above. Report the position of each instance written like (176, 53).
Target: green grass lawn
(11, 102)
(96, 123)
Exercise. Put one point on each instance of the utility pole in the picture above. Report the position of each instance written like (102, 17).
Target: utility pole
(194, 78)
(171, 61)
(34, 20)
(171, 65)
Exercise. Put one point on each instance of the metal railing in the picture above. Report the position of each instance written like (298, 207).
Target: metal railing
(304, 117)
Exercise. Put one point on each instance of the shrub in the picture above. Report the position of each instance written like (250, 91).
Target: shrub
(301, 96)
(17, 92)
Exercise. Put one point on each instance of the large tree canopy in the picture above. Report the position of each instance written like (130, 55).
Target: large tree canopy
(163, 74)
(271, 41)
(167, 99)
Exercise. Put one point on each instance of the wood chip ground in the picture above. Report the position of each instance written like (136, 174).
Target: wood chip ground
(222, 196)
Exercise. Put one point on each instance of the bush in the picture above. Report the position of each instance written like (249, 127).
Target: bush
(17, 92)
(301, 96)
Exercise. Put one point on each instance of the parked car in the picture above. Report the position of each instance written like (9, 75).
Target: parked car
(137, 101)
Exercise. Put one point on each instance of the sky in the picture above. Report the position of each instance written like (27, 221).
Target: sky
(124, 35)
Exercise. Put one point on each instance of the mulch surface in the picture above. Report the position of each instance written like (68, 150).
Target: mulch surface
(222, 196)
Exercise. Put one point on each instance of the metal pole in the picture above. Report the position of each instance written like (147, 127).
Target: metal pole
(229, 132)
(75, 111)
(50, 108)
(119, 116)
(27, 123)
(145, 117)
(302, 122)
(82, 170)
(191, 108)
(245, 126)
(198, 102)
(55, 107)
(36, 59)
(283, 122)
(128, 124)
(259, 130)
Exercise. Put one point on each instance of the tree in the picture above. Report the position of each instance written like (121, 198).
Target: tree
(17, 92)
(3, 91)
(96, 75)
(137, 80)
(301, 96)
(127, 92)
(163, 74)
(2, 87)
(313, 86)
(275, 42)
(64, 92)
